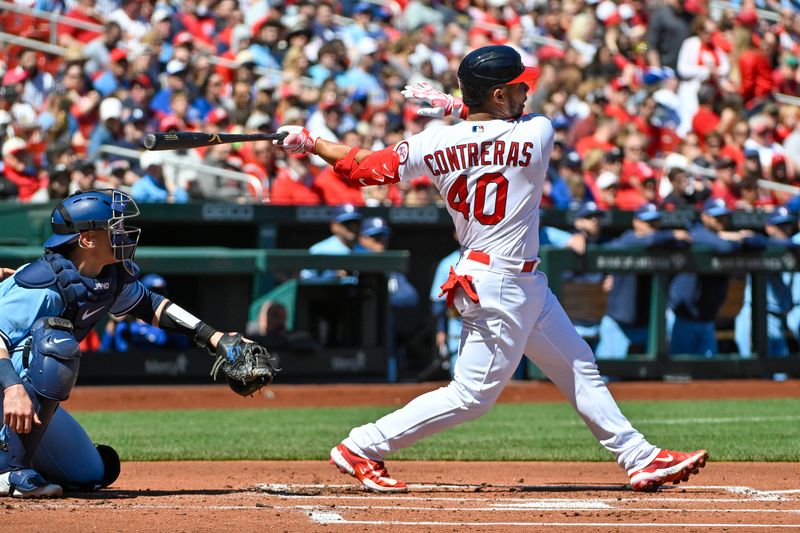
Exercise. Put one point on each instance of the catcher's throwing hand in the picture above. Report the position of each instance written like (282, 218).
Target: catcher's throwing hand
(298, 140)
(441, 104)
(6, 273)
(247, 365)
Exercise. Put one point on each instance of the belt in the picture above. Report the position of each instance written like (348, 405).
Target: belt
(503, 263)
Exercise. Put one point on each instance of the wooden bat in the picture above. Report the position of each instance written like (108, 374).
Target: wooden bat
(178, 140)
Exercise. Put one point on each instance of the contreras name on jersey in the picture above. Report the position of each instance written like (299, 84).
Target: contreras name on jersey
(466, 155)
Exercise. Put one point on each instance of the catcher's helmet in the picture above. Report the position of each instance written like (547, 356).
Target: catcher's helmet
(93, 210)
(492, 66)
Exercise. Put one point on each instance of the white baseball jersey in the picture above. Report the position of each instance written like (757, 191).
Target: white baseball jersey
(490, 174)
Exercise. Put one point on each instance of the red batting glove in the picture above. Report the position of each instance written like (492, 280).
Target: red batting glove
(441, 104)
(298, 140)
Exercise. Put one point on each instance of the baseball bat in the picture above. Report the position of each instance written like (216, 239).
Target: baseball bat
(178, 140)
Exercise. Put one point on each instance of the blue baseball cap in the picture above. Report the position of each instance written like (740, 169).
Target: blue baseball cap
(780, 216)
(716, 207)
(589, 209)
(572, 160)
(648, 213)
(560, 123)
(346, 213)
(751, 153)
(155, 283)
(362, 7)
(372, 226)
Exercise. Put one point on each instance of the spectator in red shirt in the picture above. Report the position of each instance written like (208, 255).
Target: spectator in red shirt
(734, 144)
(295, 183)
(584, 127)
(602, 138)
(785, 78)
(781, 173)
(18, 168)
(420, 193)
(607, 188)
(755, 71)
(706, 119)
(634, 175)
(633, 161)
(334, 190)
(725, 185)
(617, 105)
(84, 11)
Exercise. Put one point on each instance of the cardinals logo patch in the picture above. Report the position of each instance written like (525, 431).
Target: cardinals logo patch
(402, 151)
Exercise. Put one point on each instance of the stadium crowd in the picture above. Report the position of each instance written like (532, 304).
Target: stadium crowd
(666, 102)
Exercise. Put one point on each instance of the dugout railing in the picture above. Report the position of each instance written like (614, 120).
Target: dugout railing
(656, 361)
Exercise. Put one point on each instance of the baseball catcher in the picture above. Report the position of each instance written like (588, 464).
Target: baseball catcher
(47, 307)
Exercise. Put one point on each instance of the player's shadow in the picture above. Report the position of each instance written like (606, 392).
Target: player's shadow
(557, 487)
(568, 488)
(561, 487)
(113, 494)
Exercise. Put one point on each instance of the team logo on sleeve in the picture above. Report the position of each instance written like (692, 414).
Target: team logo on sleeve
(402, 151)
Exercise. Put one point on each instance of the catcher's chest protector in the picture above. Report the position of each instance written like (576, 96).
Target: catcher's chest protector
(86, 300)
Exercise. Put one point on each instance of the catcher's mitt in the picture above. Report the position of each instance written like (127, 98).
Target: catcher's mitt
(247, 366)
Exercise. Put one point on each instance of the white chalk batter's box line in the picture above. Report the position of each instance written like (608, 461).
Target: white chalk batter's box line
(749, 493)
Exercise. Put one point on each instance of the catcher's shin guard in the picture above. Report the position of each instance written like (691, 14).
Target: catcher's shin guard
(54, 359)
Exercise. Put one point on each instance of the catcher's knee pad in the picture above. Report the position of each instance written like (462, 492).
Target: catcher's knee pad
(111, 465)
(54, 358)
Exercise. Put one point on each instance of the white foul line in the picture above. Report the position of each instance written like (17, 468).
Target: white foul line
(330, 517)
(603, 507)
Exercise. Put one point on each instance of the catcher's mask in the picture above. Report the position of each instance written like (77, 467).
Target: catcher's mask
(93, 210)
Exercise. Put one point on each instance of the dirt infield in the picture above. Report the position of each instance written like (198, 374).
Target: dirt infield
(445, 496)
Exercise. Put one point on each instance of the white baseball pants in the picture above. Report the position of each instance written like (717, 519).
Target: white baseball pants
(516, 314)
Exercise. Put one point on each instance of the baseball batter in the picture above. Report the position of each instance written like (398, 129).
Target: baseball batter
(490, 169)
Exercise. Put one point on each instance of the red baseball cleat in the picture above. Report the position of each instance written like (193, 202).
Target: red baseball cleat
(668, 466)
(371, 474)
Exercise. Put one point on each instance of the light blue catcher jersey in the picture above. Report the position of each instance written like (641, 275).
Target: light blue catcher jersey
(20, 307)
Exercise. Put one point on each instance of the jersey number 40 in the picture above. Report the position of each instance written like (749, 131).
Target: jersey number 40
(457, 197)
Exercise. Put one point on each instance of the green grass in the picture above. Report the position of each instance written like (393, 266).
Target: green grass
(732, 430)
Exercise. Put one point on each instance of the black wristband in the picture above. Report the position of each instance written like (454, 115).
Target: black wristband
(203, 334)
(8, 375)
